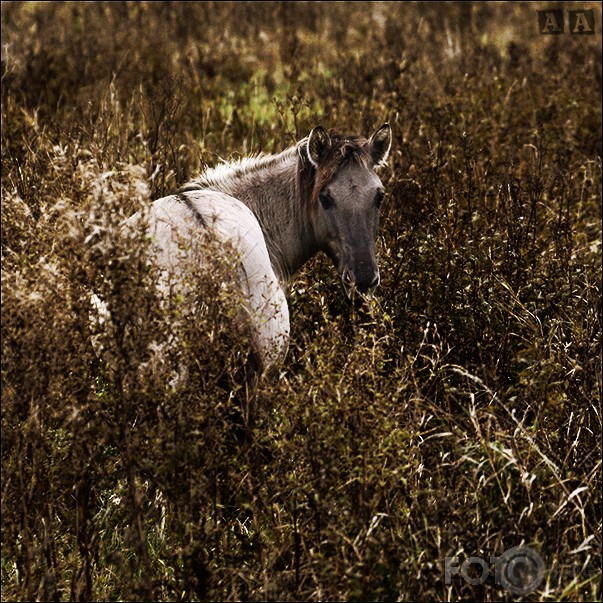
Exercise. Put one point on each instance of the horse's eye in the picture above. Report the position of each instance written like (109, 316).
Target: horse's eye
(326, 201)
(379, 198)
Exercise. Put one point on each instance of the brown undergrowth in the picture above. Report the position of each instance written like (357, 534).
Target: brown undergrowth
(455, 416)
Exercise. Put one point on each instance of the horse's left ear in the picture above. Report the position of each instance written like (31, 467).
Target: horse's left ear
(379, 145)
(319, 143)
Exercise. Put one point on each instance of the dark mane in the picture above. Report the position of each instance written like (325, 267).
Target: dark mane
(312, 180)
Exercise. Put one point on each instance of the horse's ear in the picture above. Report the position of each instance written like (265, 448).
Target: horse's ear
(318, 144)
(379, 145)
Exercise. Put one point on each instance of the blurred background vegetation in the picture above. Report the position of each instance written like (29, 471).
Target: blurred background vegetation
(457, 415)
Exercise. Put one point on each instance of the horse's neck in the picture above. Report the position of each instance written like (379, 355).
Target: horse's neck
(271, 194)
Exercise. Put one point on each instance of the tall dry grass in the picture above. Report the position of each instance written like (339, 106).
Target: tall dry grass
(458, 414)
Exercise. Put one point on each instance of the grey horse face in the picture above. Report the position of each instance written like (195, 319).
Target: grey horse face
(347, 214)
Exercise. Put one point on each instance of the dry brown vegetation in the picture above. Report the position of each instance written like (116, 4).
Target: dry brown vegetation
(457, 415)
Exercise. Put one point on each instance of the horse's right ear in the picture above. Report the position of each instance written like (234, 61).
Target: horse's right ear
(318, 144)
(379, 145)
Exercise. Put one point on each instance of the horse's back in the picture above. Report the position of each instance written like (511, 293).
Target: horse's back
(202, 221)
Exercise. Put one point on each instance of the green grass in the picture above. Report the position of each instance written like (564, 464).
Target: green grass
(457, 414)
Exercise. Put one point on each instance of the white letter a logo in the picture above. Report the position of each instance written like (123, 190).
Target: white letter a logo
(551, 25)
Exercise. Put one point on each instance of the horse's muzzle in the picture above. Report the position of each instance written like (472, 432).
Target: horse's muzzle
(365, 282)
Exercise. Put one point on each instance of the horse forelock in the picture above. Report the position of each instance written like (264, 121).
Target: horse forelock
(313, 179)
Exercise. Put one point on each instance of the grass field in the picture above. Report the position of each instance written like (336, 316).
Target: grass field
(404, 443)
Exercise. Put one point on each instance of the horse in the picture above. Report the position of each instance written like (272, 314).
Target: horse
(277, 211)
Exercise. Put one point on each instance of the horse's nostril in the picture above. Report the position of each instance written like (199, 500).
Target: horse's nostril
(348, 277)
(375, 282)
